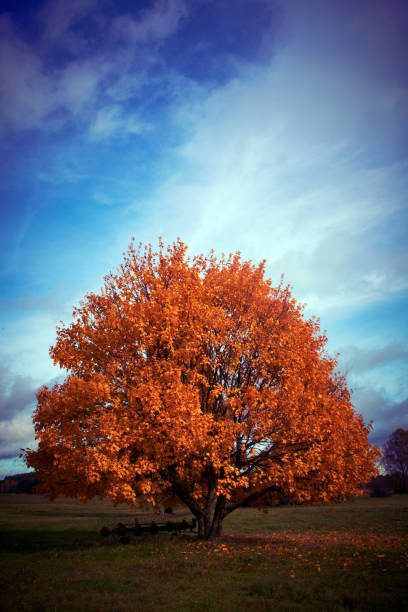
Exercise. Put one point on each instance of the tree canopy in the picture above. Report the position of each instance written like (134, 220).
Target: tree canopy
(196, 379)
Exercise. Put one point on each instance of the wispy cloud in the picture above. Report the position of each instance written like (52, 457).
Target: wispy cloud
(154, 23)
(89, 80)
(26, 91)
(53, 302)
(13, 258)
(310, 201)
(112, 121)
(56, 18)
(78, 85)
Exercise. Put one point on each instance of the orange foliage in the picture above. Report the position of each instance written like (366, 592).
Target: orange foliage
(197, 379)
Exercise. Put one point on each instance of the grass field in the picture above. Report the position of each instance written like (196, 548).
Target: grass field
(350, 556)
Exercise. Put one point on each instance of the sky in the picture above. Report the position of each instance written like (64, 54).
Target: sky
(275, 128)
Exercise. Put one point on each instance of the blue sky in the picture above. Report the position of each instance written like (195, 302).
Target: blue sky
(275, 128)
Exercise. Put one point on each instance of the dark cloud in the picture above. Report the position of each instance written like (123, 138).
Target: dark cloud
(387, 416)
(17, 397)
(9, 453)
(355, 359)
(16, 393)
(17, 400)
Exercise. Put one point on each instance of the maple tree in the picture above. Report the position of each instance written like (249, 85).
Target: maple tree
(395, 457)
(195, 379)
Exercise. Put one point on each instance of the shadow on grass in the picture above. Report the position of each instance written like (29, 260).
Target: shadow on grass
(27, 541)
(31, 541)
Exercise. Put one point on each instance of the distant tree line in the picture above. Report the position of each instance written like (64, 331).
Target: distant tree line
(19, 483)
(384, 485)
(395, 462)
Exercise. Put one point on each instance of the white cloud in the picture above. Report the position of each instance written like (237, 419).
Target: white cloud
(16, 434)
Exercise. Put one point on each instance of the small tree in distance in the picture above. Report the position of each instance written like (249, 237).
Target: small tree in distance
(395, 458)
(197, 380)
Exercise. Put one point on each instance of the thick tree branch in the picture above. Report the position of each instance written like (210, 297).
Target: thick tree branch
(251, 498)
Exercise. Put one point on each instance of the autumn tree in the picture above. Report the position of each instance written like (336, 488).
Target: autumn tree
(395, 458)
(197, 380)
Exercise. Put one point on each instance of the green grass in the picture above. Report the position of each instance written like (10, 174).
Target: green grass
(350, 556)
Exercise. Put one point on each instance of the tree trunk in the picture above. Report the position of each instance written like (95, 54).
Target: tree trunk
(204, 525)
(213, 529)
(208, 528)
